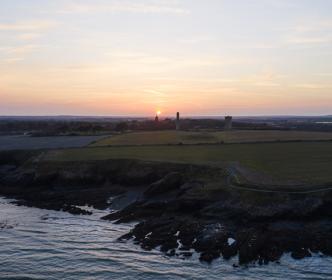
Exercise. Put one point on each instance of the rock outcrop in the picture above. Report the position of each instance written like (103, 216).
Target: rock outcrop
(170, 182)
(181, 207)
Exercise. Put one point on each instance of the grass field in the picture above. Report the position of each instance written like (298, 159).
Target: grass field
(308, 162)
(240, 136)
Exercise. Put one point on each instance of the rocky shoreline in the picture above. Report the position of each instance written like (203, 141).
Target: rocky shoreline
(179, 208)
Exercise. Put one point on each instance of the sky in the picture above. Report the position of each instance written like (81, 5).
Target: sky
(136, 57)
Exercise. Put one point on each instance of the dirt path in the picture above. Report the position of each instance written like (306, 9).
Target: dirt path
(234, 176)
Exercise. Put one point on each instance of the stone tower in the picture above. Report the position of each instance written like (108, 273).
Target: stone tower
(228, 122)
(177, 122)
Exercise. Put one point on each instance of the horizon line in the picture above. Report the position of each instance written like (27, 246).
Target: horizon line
(165, 116)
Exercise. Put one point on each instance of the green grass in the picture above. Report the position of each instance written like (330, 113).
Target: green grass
(309, 162)
(186, 137)
(158, 138)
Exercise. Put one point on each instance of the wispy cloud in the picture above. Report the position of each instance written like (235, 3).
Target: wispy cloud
(137, 6)
(309, 40)
(313, 86)
(23, 31)
(22, 49)
(324, 74)
(315, 25)
(196, 40)
(310, 32)
(28, 36)
(28, 26)
(19, 49)
(13, 60)
(264, 79)
(18, 53)
(280, 3)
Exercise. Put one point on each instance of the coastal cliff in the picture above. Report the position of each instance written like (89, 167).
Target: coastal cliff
(179, 207)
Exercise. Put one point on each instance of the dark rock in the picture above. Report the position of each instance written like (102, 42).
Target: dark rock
(300, 253)
(212, 236)
(169, 244)
(170, 182)
(186, 254)
(190, 186)
(229, 251)
(251, 243)
(6, 225)
(138, 210)
(6, 168)
(171, 253)
(208, 257)
(174, 212)
(18, 178)
(137, 175)
(46, 179)
(76, 210)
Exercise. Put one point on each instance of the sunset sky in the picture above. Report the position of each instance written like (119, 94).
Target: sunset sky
(135, 57)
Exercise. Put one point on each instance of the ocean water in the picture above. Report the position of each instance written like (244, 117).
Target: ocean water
(43, 244)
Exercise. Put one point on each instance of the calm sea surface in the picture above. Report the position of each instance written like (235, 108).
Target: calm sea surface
(42, 244)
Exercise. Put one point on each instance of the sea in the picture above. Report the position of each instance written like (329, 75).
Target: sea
(44, 244)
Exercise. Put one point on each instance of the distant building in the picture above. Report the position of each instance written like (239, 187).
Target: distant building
(177, 122)
(228, 122)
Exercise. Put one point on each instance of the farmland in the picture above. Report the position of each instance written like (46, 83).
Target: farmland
(210, 137)
(303, 162)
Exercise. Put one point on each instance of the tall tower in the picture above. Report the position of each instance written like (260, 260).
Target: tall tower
(228, 122)
(177, 122)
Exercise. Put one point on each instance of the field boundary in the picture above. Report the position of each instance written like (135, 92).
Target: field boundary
(206, 144)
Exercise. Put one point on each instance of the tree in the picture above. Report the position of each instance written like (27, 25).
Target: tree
(122, 126)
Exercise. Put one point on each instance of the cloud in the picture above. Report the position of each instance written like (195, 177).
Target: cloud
(157, 92)
(23, 31)
(16, 54)
(264, 79)
(13, 59)
(262, 46)
(19, 50)
(196, 40)
(324, 74)
(280, 3)
(310, 32)
(23, 49)
(166, 7)
(309, 40)
(315, 25)
(28, 36)
(313, 86)
(28, 26)
(137, 57)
